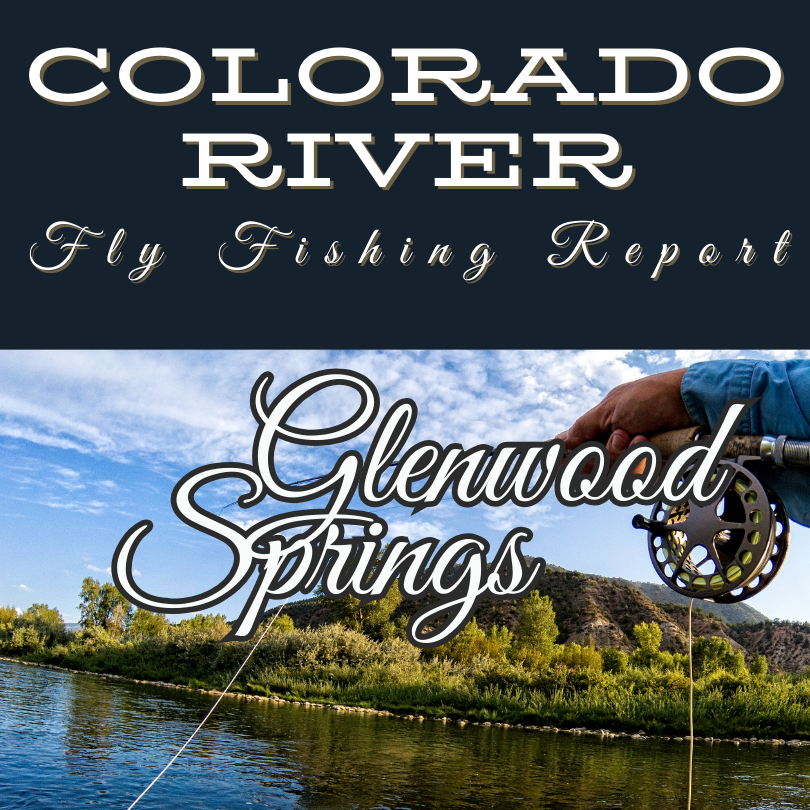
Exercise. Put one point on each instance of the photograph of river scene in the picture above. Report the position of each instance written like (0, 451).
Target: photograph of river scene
(601, 684)
(71, 740)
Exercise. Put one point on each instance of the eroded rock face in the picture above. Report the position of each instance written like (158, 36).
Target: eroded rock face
(604, 634)
(673, 638)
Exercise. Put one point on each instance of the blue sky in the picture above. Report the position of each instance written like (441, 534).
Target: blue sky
(93, 442)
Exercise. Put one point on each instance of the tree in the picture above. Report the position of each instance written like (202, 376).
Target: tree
(536, 629)
(501, 636)
(103, 606)
(648, 636)
(369, 618)
(89, 606)
(8, 616)
(372, 618)
(46, 621)
(713, 654)
(759, 667)
(146, 623)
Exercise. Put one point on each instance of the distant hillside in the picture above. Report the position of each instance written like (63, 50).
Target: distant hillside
(786, 645)
(731, 614)
(605, 610)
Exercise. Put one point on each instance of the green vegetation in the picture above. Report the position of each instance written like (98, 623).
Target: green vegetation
(103, 606)
(373, 619)
(536, 629)
(40, 627)
(360, 659)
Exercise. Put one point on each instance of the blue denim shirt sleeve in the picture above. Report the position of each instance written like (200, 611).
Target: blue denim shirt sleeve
(783, 409)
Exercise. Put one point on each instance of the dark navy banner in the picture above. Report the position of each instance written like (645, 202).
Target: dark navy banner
(459, 175)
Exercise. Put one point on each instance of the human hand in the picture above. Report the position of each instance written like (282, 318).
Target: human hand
(630, 412)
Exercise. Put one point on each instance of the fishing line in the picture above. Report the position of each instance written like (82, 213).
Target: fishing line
(321, 477)
(381, 509)
(691, 710)
(211, 710)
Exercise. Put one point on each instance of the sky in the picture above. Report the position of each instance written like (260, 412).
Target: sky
(93, 442)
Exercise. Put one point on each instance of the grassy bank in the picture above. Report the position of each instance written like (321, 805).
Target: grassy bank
(337, 665)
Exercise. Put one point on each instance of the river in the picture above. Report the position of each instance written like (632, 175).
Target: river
(70, 740)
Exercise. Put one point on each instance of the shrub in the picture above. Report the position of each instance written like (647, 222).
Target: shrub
(529, 659)
(577, 657)
(96, 636)
(725, 682)
(8, 615)
(370, 618)
(653, 659)
(472, 643)
(614, 660)
(334, 644)
(283, 624)
(501, 636)
(759, 667)
(46, 621)
(25, 640)
(204, 625)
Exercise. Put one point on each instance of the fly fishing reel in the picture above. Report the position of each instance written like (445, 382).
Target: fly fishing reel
(726, 551)
(732, 548)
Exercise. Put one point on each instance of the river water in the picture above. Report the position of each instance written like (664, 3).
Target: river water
(69, 740)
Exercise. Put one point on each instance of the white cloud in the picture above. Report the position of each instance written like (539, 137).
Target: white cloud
(510, 516)
(24, 588)
(67, 479)
(787, 354)
(415, 528)
(242, 524)
(688, 356)
(99, 570)
(82, 507)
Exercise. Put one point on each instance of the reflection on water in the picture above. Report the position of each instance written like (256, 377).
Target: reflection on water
(72, 740)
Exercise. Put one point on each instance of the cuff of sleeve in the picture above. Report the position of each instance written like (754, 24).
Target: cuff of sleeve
(707, 387)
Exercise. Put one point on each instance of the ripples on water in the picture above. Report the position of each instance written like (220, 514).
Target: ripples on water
(72, 740)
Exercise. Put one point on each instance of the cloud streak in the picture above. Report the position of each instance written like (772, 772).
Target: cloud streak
(177, 410)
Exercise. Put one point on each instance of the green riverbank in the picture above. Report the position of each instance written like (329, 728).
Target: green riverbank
(602, 733)
(570, 688)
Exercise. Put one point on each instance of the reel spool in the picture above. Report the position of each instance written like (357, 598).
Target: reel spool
(726, 551)
(774, 562)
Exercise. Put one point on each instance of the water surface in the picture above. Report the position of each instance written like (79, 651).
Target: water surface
(69, 740)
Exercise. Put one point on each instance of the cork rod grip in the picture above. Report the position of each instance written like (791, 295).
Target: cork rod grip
(669, 441)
